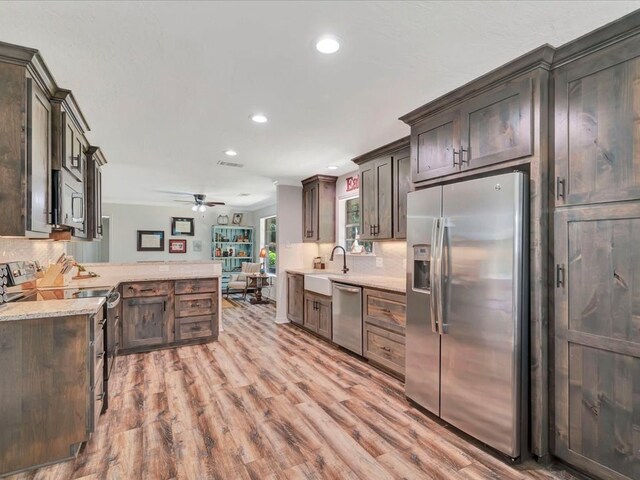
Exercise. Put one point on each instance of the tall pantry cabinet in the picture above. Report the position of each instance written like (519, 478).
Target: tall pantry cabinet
(597, 251)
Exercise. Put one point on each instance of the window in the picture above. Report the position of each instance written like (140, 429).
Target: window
(268, 241)
(350, 216)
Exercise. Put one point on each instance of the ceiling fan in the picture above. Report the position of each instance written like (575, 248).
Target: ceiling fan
(199, 203)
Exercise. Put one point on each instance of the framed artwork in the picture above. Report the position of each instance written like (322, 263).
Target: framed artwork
(177, 246)
(237, 218)
(150, 240)
(182, 226)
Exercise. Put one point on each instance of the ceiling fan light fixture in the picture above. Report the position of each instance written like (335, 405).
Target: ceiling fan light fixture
(194, 208)
(202, 208)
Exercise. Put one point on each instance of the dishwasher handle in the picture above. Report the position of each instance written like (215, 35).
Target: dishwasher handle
(347, 289)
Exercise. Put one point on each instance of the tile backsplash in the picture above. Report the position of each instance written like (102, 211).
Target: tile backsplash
(44, 251)
(392, 256)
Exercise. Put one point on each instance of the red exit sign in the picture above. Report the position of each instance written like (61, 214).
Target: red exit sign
(353, 183)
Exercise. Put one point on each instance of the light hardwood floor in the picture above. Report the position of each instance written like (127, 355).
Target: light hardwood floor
(265, 402)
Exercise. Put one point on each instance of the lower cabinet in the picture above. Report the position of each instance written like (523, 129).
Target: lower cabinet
(295, 298)
(317, 314)
(145, 321)
(384, 318)
(158, 314)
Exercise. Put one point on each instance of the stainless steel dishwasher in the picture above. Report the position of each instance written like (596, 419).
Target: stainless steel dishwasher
(347, 317)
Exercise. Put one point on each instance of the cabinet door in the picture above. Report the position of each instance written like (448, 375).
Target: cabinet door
(401, 187)
(310, 208)
(144, 321)
(311, 316)
(496, 126)
(324, 318)
(597, 339)
(73, 149)
(368, 200)
(596, 127)
(97, 207)
(295, 298)
(384, 198)
(436, 138)
(39, 160)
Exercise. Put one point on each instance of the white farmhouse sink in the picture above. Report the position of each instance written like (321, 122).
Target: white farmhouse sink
(318, 283)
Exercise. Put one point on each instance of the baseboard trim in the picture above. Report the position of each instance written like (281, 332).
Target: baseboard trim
(281, 320)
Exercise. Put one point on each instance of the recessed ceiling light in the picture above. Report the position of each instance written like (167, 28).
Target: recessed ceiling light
(230, 153)
(259, 118)
(327, 44)
(332, 167)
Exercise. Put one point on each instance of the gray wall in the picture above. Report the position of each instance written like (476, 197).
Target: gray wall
(125, 220)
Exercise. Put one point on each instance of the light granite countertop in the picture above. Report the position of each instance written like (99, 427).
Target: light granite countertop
(50, 308)
(85, 306)
(393, 284)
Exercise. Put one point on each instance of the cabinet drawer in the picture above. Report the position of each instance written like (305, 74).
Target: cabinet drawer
(195, 327)
(385, 309)
(384, 347)
(196, 285)
(97, 399)
(97, 356)
(97, 322)
(196, 304)
(145, 289)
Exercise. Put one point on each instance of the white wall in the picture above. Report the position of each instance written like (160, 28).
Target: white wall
(291, 251)
(125, 220)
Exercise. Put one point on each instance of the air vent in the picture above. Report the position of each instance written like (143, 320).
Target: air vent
(244, 194)
(230, 164)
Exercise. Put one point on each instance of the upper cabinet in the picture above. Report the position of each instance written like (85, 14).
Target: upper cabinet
(25, 143)
(319, 209)
(488, 123)
(95, 162)
(596, 126)
(70, 166)
(44, 154)
(384, 176)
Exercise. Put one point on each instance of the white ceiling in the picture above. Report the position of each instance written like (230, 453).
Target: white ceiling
(168, 86)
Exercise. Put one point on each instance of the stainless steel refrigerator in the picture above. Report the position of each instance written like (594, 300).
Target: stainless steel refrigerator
(467, 309)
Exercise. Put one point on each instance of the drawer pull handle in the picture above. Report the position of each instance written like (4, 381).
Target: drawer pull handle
(386, 349)
(99, 397)
(100, 355)
(147, 289)
(196, 328)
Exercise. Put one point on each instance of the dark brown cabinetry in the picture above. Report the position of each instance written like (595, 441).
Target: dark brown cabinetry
(295, 298)
(384, 320)
(384, 176)
(597, 253)
(487, 129)
(70, 166)
(51, 384)
(319, 209)
(158, 314)
(596, 134)
(95, 162)
(25, 143)
(317, 314)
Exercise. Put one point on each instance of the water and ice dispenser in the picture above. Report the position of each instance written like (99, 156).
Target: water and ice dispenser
(421, 267)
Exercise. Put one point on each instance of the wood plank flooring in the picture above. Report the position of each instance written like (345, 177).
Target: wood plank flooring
(267, 402)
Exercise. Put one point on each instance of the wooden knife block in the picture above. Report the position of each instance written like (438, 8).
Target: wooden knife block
(54, 277)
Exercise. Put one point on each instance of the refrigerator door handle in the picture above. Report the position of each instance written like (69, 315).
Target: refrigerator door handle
(438, 269)
(433, 275)
(442, 288)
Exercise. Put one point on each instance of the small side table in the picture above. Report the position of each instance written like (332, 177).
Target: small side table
(258, 282)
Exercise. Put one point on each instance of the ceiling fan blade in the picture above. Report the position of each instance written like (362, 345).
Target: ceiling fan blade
(213, 204)
(173, 192)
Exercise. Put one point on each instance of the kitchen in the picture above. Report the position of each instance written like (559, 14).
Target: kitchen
(448, 295)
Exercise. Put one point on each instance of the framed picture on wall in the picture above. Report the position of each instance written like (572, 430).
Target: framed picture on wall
(177, 246)
(237, 218)
(182, 226)
(150, 241)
